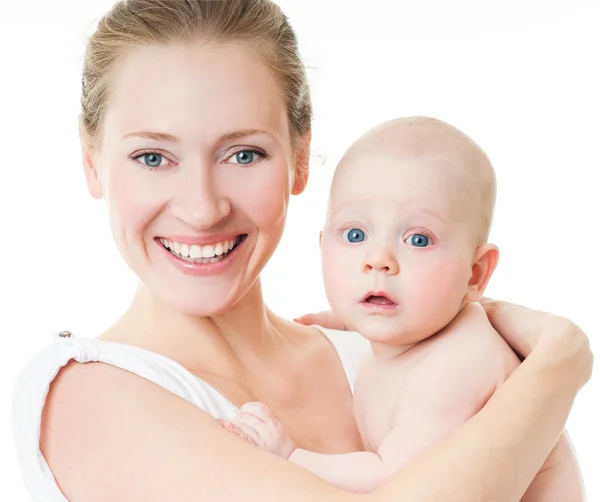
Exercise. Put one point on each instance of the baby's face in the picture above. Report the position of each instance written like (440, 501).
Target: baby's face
(397, 247)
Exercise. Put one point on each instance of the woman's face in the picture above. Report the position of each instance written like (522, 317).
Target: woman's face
(196, 165)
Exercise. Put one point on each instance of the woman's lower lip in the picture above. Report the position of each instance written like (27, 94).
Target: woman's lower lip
(191, 268)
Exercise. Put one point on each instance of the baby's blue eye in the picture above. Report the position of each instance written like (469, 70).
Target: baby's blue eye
(419, 240)
(245, 157)
(152, 159)
(354, 235)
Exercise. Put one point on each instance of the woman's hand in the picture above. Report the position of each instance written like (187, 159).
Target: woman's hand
(551, 336)
(523, 329)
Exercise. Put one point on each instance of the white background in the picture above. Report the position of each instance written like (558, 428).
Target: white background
(520, 76)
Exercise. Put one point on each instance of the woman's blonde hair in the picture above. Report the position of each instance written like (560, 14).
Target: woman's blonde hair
(135, 23)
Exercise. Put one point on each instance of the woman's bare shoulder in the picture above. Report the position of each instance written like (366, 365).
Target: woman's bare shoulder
(108, 434)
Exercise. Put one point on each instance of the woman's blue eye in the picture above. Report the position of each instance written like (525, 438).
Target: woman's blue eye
(245, 156)
(152, 159)
(419, 240)
(354, 235)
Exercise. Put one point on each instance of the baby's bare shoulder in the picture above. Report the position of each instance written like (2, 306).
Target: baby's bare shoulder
(468, 357)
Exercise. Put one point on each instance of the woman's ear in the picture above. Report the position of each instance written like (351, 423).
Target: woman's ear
(302, 161)
(89, 169)
(484, 264)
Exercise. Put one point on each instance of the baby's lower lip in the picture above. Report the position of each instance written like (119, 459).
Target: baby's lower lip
(379, 300)
(379, 303)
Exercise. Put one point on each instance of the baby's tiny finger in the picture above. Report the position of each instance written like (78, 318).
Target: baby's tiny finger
(231, 427)
(249, 433)
(306, 319)
(259, 411)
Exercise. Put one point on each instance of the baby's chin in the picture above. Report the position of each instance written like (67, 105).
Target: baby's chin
(386, 330)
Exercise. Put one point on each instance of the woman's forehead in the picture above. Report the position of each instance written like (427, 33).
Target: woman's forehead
(195, 89)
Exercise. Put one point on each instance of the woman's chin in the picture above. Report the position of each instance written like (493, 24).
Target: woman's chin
(199, 305)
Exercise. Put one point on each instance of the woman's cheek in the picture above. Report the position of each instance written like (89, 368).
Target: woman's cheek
(264, 198)
(134, 199)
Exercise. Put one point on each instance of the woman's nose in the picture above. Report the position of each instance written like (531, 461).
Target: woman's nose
(200, 203)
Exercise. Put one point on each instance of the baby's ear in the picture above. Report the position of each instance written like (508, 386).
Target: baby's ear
(484, 264)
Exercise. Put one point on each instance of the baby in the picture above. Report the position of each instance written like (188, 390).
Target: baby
(405, 260)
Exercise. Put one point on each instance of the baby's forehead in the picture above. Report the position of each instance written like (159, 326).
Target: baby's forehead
(406, 140)
(380, 168)
(415, 149)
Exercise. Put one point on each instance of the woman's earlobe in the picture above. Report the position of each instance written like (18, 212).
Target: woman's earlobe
(91, 175)
(89, 168)
(301, 171)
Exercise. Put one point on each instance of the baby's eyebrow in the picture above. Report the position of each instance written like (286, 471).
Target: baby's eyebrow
(350, 206)
(432, 213)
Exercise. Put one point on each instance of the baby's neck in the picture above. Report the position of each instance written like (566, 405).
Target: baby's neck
(389, 351)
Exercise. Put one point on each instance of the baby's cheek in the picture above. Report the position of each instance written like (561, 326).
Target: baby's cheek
(339, 275)
(439, 292)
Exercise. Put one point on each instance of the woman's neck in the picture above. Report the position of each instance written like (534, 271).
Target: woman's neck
(247, 334)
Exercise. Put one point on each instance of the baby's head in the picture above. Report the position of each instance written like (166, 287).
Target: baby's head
(404, 246)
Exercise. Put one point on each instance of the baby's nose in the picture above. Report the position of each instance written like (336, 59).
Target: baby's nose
(381, 260)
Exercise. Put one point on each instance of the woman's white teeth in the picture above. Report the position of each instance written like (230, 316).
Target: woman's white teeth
(209, 253)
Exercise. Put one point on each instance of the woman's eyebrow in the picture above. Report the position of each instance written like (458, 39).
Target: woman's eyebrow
(241, 133)
(157, 136)
(163, 136)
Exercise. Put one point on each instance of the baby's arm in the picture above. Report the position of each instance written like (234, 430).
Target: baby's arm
(429, 419)
(360, 472)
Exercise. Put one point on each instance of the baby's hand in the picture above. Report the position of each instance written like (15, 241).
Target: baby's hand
(234, 429)
(256, 424)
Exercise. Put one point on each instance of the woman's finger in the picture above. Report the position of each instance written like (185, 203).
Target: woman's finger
(518, 325)
(524, 328)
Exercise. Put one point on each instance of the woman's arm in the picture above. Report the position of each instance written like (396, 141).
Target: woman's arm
(110, 435)
(496, 454)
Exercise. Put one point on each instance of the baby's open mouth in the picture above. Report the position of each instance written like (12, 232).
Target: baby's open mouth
(378, 300)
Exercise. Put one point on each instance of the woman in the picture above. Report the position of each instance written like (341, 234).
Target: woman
(195, 129)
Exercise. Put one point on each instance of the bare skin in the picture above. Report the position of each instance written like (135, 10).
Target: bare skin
(110, 435)
(401, 268)
(135, 426)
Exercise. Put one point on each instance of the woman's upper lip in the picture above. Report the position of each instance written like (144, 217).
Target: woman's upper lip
(201, 240)
(379, 293)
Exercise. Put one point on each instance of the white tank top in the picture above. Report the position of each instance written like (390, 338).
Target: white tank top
(34, 381)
